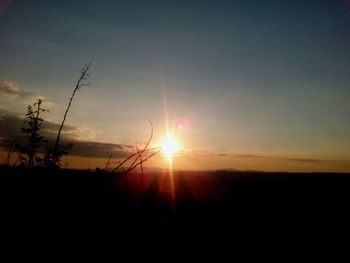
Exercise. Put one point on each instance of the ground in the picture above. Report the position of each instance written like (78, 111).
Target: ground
(191, 203)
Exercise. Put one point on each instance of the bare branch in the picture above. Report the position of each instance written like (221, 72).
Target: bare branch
(138, 150)
(143, 150)
(144, 160)
(138, 160)
(83, 76)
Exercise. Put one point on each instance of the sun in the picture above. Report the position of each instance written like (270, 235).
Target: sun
(169, 147)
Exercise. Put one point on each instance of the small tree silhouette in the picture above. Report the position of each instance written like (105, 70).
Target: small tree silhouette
(53, 157)
(34, 122)
(12, 147)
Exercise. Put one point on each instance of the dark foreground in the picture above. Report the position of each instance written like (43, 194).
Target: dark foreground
(223, 203)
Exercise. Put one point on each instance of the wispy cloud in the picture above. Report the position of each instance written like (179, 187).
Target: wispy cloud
(305, 160)
(208, 154)
(8, 89)
(11, 90)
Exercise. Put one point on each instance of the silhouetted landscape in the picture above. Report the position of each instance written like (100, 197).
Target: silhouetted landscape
(44, 201)
(177, 118)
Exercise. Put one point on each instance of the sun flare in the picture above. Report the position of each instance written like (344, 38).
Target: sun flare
(169, 146)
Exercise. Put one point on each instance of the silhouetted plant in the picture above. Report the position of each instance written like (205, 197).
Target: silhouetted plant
(60, 151)
(53, 156)
(11, 145)
(136, 159)
(34, 140)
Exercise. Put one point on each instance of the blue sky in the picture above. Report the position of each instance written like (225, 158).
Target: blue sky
(263, 77)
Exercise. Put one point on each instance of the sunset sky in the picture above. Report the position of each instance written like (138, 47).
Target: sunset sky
(259, 85)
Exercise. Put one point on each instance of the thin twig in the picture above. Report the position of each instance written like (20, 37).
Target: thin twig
(140, 165)
(108, 163)
(144, 148)
(144, 160)
(83, 76)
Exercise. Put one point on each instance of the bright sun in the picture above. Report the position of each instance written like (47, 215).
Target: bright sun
(169, 146)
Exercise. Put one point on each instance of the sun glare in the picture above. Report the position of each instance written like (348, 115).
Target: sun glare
(169, 147)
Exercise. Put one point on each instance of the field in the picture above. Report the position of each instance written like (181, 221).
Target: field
(224, 203)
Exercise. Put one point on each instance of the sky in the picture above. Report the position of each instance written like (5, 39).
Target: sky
(256, 85)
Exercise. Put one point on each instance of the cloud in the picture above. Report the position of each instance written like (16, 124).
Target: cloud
(10, 127)
(83, 144)
(8, 89)
(11, 90)
(305, 160)
(208, 154)
(102, 150)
